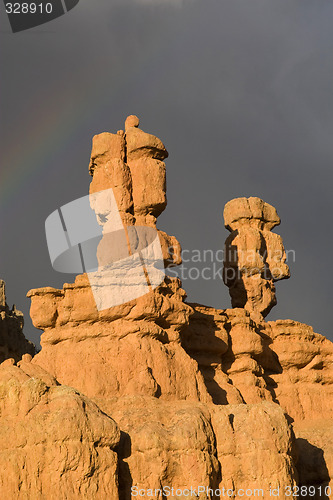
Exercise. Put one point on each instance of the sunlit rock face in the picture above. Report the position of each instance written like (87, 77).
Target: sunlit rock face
(154, 392)
(255, 257)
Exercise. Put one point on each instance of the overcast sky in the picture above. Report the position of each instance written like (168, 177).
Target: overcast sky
(240, 92)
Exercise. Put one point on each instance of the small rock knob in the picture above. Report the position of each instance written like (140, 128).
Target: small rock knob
(131, 121)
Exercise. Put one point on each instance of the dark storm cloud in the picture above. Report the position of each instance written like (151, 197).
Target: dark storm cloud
(239, 91)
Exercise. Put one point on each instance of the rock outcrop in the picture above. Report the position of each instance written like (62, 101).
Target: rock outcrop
(55, 442)
(216, 447)
(157, 394)
(130, 349)
(13, 343)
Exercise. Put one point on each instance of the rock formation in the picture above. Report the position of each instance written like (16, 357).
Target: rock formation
(255, 257)
(157, 393)
(55, 442)
(131, 164)
(13, 343)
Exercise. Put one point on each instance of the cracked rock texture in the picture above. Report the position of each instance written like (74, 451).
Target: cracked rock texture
(55, 442)
(215, 446)
(156, 392)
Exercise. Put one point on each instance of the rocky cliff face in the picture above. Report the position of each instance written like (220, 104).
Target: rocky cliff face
(156, 393)
(55, 442)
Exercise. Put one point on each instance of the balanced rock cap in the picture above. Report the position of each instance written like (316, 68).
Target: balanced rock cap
(240, 210)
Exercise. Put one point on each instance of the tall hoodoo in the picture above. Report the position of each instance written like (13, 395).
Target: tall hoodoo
(255, 257)
(131, 164)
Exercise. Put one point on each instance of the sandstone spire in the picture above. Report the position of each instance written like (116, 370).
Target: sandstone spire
(254, 256)
(131, 163)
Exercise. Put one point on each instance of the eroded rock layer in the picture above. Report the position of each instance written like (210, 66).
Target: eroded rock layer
(55, 442)
(156, 392)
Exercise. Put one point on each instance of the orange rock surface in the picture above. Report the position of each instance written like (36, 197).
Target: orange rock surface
(160, 393)
(55, 442)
